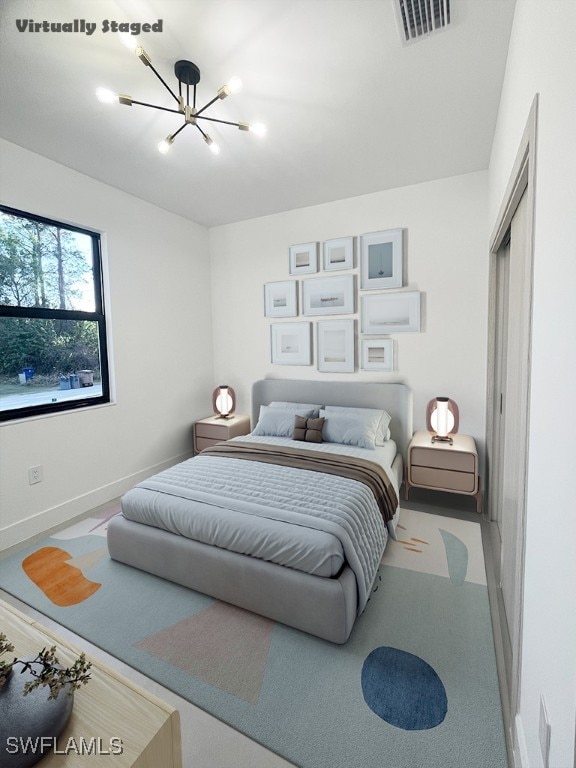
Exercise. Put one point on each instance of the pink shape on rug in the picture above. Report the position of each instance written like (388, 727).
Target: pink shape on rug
(106, 515)
(225, 646)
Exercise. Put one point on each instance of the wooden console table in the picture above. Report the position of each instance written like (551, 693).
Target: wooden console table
(110, 706)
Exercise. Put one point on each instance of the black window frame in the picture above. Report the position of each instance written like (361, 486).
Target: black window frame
(98, 316)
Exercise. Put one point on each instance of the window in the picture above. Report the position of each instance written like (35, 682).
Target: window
(52, 324)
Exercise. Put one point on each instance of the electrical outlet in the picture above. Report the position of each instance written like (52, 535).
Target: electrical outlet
(35, 475)
(544, 731)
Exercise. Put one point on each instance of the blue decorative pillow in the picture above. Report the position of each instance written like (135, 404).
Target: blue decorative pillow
(350, 429)
(277, 422)
(384, 418)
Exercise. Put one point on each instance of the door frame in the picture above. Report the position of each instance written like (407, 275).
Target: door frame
(521, 182)
(498, 358)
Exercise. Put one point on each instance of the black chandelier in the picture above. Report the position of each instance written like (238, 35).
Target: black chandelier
(187, 75)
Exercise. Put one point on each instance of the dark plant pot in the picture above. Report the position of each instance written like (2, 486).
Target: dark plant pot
(26, 720)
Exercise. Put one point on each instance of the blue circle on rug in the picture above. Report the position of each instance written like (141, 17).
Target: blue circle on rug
(403, 689)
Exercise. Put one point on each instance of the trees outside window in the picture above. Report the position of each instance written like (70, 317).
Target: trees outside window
(52, 323)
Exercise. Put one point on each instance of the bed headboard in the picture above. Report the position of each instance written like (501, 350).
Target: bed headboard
(394, 398)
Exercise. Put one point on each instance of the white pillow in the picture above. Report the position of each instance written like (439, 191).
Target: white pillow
(382, 432)
(350, 428)
(277, 422)
(298, 407)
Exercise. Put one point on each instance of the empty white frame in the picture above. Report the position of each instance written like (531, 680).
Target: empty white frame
(328, 295)
(377, 355)
(335, 345)
(281, 299)
(390, 312)
(303, 259)
(339, 254)
(290, 343)
(381, 260)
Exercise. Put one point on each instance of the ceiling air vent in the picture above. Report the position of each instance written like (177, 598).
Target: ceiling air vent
(419, 18)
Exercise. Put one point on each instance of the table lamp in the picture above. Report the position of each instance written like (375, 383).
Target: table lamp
(224, 401)
(442, 417)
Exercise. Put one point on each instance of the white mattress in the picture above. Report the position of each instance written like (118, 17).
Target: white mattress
(228, 517)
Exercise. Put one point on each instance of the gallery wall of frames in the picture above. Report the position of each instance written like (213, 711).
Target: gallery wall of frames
(371, 287)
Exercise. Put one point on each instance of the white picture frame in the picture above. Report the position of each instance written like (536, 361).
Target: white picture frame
(377, 355)
(338, 254)
(328, 295)
(335, 346)
(303, 258)
(281, 299)
(290, 343)
(381, 260)
(384, 313)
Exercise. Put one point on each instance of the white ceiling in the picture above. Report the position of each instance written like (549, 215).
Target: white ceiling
(349, 109)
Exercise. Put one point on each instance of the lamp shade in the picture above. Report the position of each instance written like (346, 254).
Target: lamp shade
(224, 401)
(442, 417)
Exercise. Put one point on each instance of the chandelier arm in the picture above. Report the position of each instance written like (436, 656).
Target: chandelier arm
(165, 84)
(204, 134)
(154, 106)
(216, 120)
(178, 131)
(205, 107)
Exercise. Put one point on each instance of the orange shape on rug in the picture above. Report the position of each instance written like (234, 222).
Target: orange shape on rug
(62, 583)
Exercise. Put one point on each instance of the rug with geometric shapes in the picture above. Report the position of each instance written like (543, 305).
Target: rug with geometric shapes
(415, 685)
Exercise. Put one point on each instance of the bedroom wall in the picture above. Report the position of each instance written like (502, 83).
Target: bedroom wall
(542, 59)
(160, 351)
(445, 226)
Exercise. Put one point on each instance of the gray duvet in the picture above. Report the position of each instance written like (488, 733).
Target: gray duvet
(304, 520)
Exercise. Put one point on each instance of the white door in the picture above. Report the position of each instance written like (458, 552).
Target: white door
(510, 420)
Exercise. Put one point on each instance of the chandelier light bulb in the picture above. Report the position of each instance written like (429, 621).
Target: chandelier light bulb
(143, 56)
(258, 129)
(234, 84)
(164, 146)
(214, 148)
(128, 40)
(106, 96)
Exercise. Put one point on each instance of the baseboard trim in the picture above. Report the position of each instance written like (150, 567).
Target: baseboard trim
(43, 521)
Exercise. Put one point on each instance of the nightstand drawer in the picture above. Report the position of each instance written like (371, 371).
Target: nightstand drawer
(442, 459)
(213, 431)
(204, 442)
(463, 482)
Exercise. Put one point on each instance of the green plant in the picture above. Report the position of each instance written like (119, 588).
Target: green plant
(46, 670)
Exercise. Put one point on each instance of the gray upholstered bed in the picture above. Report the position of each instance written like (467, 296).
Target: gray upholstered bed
(321, 598)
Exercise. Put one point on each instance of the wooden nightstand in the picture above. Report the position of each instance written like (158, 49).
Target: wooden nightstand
(443, 467)
(213, 429)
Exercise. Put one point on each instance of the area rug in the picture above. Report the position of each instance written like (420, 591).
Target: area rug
(415, 685)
